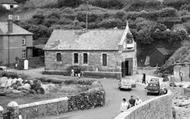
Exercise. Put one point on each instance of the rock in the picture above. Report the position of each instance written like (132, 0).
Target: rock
(25, 86)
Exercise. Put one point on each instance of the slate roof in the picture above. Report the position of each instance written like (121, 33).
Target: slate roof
(17, 30)
(8, 2)
(163, 51)
(90, 40)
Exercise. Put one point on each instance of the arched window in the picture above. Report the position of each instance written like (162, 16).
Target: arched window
(58, 56)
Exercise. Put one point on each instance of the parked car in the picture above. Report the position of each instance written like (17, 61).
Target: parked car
(127, 83)
(154, 87)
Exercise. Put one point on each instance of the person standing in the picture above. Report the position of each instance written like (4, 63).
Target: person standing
(138, 101)
(144, 78)
(132, 101)
(181, 76)
(124, 105)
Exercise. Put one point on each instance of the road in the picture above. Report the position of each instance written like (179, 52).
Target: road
(112, 106)
(113, 98)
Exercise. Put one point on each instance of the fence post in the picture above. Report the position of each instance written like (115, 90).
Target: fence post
(13, 110)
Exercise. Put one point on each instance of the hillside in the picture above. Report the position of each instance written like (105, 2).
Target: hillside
(152, 22)
(181, 55)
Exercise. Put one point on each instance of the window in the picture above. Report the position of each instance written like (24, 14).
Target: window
(76, 61)
(104, 59)
(23, 54)
(11, 6)
(85, 58)
(23, 42)
(58, 57)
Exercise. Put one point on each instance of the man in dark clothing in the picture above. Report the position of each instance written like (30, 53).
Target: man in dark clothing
(132, 101)
(144, 78)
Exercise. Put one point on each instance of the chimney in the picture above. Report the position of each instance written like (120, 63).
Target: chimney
(10, 23)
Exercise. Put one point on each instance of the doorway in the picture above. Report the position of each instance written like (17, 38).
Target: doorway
(127, 67)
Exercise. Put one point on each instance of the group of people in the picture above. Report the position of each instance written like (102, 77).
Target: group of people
(132, 102)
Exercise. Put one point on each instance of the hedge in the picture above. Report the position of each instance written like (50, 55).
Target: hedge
(87, 100)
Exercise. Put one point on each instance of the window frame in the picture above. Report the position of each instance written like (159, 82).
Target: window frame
(105, 60)
(74, 58)
(85, 63)
(23, 41)
(58, 59)
(23, 54)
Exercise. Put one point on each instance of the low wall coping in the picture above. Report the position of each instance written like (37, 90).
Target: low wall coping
(43, 102)
(129, 111)
(101, 72)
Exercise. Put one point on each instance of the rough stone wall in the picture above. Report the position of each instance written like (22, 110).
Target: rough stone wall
(156, 108)
(94, 61)
(44, 108)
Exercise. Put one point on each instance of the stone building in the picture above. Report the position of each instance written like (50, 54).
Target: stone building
(99, 51)
(9, 4)
(15, 42)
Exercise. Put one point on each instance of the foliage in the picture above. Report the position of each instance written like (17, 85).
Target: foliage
(3, 10)
(152, 15)
(175, 3)
(187, 26)
(69, 3)
(138, 5)
(91, 99)
(20, 1)
(110, 23)
(107, 3)
(80, 82)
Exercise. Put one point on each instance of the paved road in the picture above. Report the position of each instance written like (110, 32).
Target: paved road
(113, 100)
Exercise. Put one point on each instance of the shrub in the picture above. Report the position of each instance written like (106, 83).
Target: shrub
(80, 82)
(107, 3)
(69, 3)
(86, 100)
(110, 23)
(3, 10)
(175, 3)
(138, 5)
(185, 18)
(9, 75)
(153, 15)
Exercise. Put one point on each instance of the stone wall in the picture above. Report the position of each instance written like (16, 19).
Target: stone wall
(155, 108)
(44, 108)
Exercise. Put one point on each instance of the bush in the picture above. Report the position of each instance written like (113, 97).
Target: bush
(107, 3)
(69, 3)
(88, 100)
(138, 5)
(80, 82)
(9, 75)
(153, 15)
(175, 3)
(3, 10)
(110, 23)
